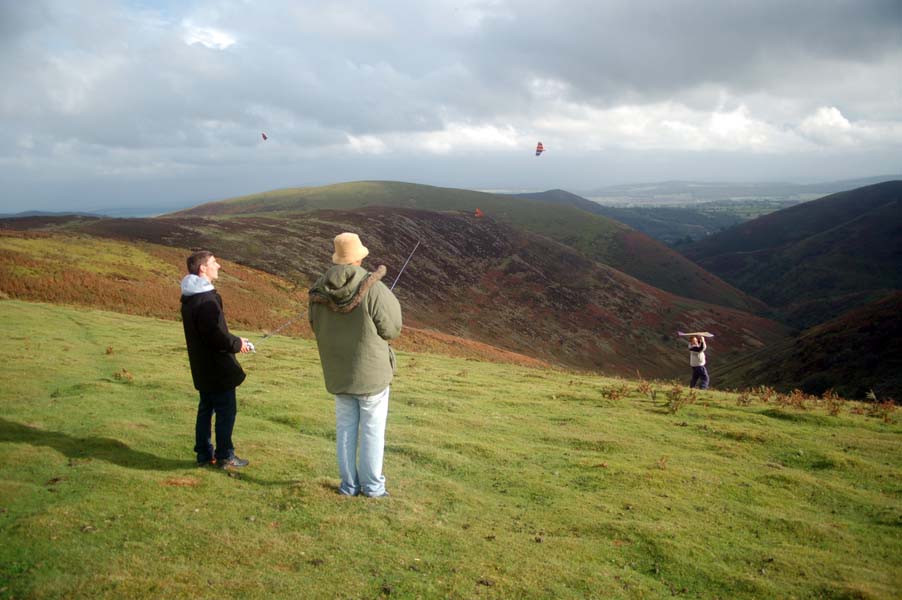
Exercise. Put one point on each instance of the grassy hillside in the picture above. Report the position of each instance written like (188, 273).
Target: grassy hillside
(853, 354)
(479, 279)
(595, 236)
(506, 482)
(135, 278)
(813, 260)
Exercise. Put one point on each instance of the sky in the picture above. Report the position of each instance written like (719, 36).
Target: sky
(162, 103)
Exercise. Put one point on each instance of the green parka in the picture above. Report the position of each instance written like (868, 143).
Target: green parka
(353, 314)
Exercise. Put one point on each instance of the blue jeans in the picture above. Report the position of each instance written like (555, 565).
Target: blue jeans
(225, 407)
(363, 417)
(700, 376)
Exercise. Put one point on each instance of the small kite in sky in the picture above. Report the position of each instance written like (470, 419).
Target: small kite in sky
(539, 148)
(264, 137)
(479, 213)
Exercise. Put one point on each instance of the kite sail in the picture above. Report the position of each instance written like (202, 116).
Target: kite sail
(264, 137)
(478, 213)
(539, 148)
(699, 333)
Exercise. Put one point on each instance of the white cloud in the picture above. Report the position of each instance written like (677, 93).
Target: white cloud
(465, 138)
(828, 126)
(666, 126)
(366, 144)
(209, 37)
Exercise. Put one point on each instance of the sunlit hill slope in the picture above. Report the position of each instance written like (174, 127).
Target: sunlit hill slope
(474, 278)
(595, 236)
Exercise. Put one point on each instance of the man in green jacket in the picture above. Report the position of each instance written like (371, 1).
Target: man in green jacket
(353, 315)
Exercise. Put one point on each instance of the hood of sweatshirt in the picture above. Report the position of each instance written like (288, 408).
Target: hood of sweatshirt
(342, 287)
(340, 282)
(195, 284)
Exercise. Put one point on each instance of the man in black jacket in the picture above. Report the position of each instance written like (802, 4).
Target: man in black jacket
(211, 353)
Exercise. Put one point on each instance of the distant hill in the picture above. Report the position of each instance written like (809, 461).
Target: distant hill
(475, 278)
(41, 213)
(686, 193)
(595, 236)
(852, 354)
(815, 260)
(667, 224)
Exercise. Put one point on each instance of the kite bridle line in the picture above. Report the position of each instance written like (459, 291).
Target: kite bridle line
(290, 321)
(405, 265)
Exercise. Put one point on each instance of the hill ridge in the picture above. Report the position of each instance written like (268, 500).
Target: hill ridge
(820, 251)
(551, 303)
(594, 235)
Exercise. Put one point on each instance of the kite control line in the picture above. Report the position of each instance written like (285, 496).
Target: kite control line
(287, 323)
(277, 330)
(405, 265)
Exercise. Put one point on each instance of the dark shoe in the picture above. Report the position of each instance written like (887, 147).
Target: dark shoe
(232, 461)
(205, 462)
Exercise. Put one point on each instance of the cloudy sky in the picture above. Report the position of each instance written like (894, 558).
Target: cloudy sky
(135, 103)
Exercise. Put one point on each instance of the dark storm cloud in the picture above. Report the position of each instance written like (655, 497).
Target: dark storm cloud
(643, 51)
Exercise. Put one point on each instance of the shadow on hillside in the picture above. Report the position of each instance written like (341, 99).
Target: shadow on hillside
(98, 448)
(107, 449)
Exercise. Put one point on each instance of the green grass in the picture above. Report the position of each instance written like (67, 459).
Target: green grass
(506, 482)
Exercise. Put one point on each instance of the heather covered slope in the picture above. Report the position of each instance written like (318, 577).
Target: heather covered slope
(852, 354)
(816, 260)
(141, 278)
(479, 279)
(595, 236)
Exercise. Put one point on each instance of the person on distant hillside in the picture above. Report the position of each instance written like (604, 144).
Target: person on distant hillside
(211, 353)
(353, 315)
(697, 349)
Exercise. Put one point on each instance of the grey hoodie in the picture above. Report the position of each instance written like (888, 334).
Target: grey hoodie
(195, 284)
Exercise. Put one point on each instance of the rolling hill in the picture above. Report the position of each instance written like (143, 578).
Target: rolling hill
(473, 278)
(595, 236)
(141, 278)
(816, 260)
(667, 224)
(853, 354)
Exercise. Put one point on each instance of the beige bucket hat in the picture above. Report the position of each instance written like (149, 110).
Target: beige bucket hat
(348, 249)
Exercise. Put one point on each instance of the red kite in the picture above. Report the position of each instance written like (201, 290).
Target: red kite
(539, 148)
(264, 137)
(479, 213)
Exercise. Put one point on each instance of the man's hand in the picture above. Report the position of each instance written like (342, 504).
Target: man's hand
(245, 346)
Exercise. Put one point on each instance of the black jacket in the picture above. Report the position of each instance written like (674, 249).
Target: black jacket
(211, 348)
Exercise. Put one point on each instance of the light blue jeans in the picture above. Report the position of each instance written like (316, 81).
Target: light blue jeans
(363, 417)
